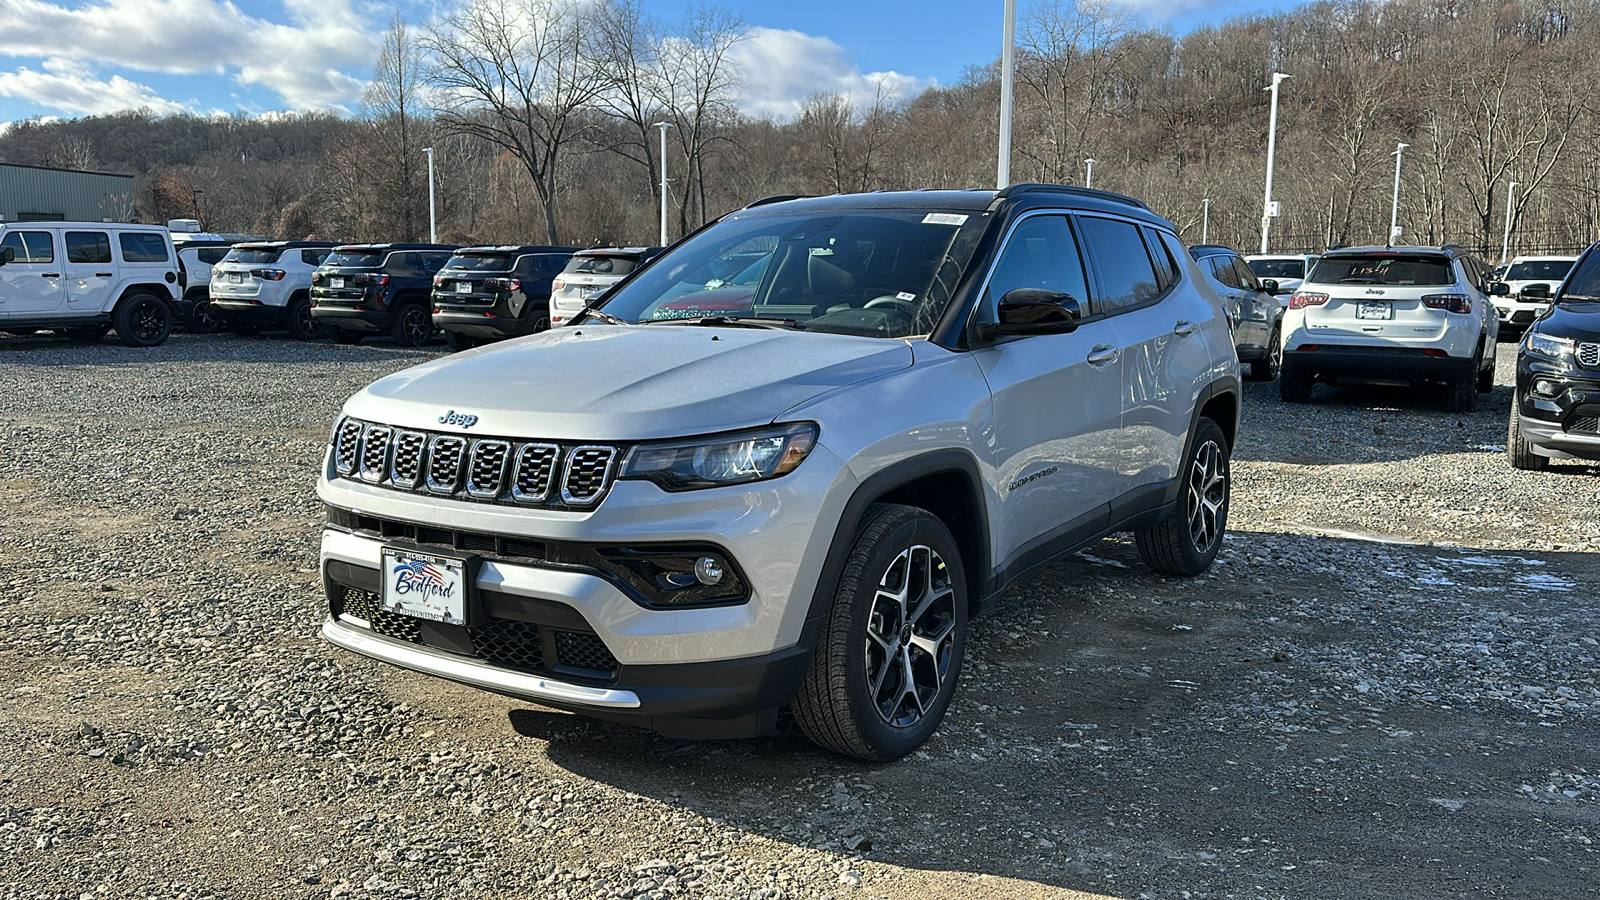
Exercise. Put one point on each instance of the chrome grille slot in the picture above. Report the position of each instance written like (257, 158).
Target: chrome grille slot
(446, 456)
(1589, 356)
(588, 471)
(487, 474)
(536, 469)
(405, 467)
(375, 452)
(1583, 425)
(346, 446)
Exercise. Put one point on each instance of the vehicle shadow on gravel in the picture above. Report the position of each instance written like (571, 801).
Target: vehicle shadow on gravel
(1316, 716)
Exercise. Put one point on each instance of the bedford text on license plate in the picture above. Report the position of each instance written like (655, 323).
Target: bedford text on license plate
(1372, 309)
(424, 585)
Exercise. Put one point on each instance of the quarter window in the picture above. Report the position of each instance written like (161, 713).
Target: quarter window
(1126, 276)
(30, 246)
(211, 255)
(1041, 253)
(314, 258)
(142, 247)
(88, 247)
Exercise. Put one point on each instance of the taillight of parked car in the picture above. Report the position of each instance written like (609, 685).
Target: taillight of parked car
(1456, 303)
(558, 285)
(1303, 299)
(316, 277)
(379, 280)
(501, 284)
(268, 274)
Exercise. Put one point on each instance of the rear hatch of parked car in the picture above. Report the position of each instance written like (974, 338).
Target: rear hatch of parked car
(241, 272)
(475, 279)
(1381, 298)
(346, 276)
(589, 274)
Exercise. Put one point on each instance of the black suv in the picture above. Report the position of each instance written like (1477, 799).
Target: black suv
(490, 293)
(1555, 413)
(365, 289)
(1256, 315)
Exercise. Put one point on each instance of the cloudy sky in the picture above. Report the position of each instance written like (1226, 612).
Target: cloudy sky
(68, 58)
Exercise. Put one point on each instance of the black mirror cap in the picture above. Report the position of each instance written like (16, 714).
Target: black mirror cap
(1270, 285)
(1499, 289)
(7, 255)
(1537, 291)
(1038, 311)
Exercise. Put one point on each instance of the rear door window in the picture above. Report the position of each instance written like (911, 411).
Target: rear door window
(30, 246)
(1126, 276)
(211, 255)
(1222, 271)
(1242, 272)
(88, 247)
(142, 247)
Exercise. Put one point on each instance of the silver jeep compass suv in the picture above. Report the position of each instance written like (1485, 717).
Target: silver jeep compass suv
(787, 462)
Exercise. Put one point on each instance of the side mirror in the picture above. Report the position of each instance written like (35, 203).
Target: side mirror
(1499, 289)
(1536, 292)
(1037, 311)
(1270, 285)
(7, 255)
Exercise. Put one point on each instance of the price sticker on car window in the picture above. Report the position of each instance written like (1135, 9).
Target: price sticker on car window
(944, 219)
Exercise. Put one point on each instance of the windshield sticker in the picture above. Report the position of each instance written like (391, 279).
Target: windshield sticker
(944, 219)
(905, 296)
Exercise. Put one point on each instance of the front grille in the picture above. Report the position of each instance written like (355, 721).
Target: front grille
(1589, 356)
(476, 541)
(1583, 425)
(577, 650)
(488, 469)
(505, 642)
(364, 605)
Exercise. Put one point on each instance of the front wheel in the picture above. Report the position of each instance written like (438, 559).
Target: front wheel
(205, 318)
(1188, 541)
(1461, 395)
(1517, 446)
(413, 325)
(886, 665)
(1267, 367)
(142, 320)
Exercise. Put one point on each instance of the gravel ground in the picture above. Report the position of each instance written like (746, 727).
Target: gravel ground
(1386, 687)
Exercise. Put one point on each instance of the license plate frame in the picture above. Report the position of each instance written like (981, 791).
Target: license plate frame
(235, 278)
(336, 281)
(423, 583)
(463, 287)
(1375, 310)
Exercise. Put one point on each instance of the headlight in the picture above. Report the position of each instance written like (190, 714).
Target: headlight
(719, 460)
(1544, 345)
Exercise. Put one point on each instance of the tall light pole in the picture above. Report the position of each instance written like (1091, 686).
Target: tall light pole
(1008, 62)
(1394, 208)
(1088, 173)
(1505, 241)
(1205, 219)
(663, 126)
(433, 221)
(1272, 149)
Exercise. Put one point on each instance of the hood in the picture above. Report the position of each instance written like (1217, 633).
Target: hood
(623, 383)
(1575, 319)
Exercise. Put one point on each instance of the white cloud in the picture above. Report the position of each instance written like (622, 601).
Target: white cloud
(302, 61)
(781, 68)
(70, 87)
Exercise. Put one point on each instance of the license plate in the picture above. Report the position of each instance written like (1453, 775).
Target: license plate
(336, 282)
(235, 278)
(463, 287)
(424, 585)
(1372, 309)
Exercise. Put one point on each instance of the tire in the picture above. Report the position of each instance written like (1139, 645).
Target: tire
(412, 326)
(1188, 541)
(346, 336)
(1269, 366)
(142, 320)
(298, 321)
(1294, 386)
(1517, 446)
(86, 334)
(1461, 396)
(458, 342)
(883, 673)
(1486, 379)
(204, 317)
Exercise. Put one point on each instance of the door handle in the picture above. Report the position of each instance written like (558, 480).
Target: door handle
(104, 274)
(1103, 354)
(51, 275)
(1184, 328)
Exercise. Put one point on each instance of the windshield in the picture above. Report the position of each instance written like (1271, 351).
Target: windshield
(1539, 270)
(1585, 281)
(1278, 268)
(482, 262)
(874, 272)
(1395, 270)
(600, 265)
(253, 257)
(354, 259)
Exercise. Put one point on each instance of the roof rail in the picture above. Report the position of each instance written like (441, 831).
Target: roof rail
(777, 198)
(1094, 193)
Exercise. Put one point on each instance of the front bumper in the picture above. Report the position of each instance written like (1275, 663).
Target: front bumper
(1517, 313)
(1564, 422)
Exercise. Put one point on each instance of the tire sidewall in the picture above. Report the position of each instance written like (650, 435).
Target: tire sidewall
(1206, 431)
(133, 308)
(299, 321)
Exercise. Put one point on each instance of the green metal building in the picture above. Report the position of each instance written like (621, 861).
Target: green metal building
(37, 194)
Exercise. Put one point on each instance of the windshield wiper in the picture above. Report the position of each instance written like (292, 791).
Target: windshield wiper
(605, 317)
(729, 322)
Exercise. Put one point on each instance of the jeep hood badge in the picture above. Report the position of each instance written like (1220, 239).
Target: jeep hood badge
(465, 420)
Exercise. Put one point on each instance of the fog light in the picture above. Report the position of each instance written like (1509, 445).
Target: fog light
(1544, 388)
(708, 570)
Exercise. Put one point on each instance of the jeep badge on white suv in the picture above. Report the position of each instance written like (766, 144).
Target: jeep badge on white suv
(727, 496)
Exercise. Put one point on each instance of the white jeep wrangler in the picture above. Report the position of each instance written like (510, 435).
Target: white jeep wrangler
(85, 278)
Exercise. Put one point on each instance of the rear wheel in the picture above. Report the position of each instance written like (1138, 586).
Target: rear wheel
(413, 325)
(1267, 367)
(204, 317)
(142, 320)
(886, 665)
(1461, 396)
(1517, 446)
(86, 334)
(1188, 541)
(301, 326)
(1486, 377)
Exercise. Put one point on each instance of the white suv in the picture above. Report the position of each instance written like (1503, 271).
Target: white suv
(194, 308)
(590, 273)
(1518, 310)
(706, 500)
(85, 278)
(1407, 314)
(1287, 269)
(267, 284)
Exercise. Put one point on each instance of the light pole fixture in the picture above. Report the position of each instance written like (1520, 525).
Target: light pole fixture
(1394, 208)
(1008, 63)
(1205, 219)
(663, 126)
(1088, 173)
(1505, 240)
(433, 222)
(195, 200)
(1272, 148)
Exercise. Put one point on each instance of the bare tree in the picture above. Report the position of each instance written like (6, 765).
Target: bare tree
(700, 91)
(626, 43)
(392, 103)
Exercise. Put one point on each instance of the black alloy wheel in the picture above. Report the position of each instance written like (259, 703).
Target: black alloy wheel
(413, 325)
(302, 326)
(142, 320)
(205, 318)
